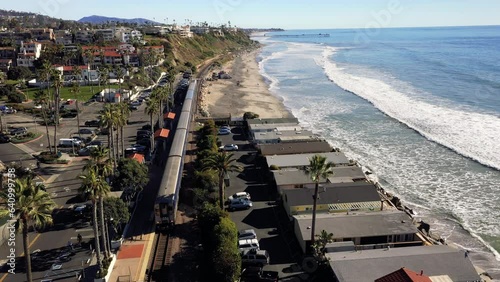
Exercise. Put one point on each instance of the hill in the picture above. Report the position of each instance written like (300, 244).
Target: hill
(103, 20)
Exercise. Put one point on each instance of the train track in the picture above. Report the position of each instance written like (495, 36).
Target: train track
(158, 268)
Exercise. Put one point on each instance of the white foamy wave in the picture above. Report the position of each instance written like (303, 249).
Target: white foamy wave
(471, 134)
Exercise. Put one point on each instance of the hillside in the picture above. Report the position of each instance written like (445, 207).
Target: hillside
(180, 51)
(103, 20)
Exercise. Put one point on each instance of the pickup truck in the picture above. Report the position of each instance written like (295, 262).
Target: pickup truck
(257, 274)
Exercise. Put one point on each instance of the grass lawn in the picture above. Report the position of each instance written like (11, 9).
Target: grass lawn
(84, 95)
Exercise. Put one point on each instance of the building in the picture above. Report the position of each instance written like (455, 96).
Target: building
(291, 148)
(69, 73)
(107, 34)
(42, 34)
(405, 275)
(63, 37)
(127, 35)
(333, 198)
(84, 36)
(28, 53)
(200, 30)
(298, 161)
(368, 230)
(439, 263)
(271, 127)
(347, 174)
(8, 56)
(284, 137)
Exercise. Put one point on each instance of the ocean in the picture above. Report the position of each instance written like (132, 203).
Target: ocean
(418, 107)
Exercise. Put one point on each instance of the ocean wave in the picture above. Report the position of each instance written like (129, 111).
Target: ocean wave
(473, 135)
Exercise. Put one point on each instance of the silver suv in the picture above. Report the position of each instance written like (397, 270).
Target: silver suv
(254, 257)
(248, 244)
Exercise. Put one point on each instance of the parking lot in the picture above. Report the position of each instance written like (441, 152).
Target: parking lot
(266, 216)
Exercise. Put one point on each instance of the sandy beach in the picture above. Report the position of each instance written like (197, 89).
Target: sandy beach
(246, 91)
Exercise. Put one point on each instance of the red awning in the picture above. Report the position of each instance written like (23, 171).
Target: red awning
(137, 157)
(162, 133)
(169, 115)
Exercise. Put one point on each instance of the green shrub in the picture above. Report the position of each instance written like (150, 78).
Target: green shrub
(16, 97)
(250, 115)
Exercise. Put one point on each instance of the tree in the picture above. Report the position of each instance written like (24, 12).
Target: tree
(42, 99)
(318, 168)
(94, 186)
(32, 204)
(116, 209)
(75, 89)
(90, 55)
(151, 110)
(57, 97)
(319, 245)
(226, 258)
(16, 73)
(131, 174)
(124, 115)
(98, 160)
(108, 121)
(222, 162)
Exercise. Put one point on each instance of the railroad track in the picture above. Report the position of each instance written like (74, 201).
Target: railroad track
(157, 270)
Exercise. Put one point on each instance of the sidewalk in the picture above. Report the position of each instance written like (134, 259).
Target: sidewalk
(132, 260)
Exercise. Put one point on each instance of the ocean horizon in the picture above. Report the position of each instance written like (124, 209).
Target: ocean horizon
(418, 107)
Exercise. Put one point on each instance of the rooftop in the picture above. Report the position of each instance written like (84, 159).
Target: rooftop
(300, 160)
(272, 120)
(368, 265)
(295, 148)
(358, 224)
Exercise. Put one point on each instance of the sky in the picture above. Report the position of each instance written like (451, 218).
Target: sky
(287, 14)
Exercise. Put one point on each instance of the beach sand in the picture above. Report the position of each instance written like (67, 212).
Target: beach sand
(224, 96)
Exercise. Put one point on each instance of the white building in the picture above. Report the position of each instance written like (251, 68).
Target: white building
(127, 36)
(28, 53)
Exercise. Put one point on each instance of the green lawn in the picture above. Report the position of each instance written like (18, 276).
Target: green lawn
(84, 95)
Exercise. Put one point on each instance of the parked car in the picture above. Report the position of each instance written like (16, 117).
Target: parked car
(224, 131)
(96, 143)
(240, 195)
(247, 234)
(8, 110)
(146, 127)
(92, 123)
(143, 132)
(257, 274)
(69, 142)
(136, 103)
(4, 139)
(18, 131)
(86, 131)
(133, 108)
(229, 147)
(248, 244)
(87, 150)
(144, 141)
(240, 204)
(140, 148)
(255, 257)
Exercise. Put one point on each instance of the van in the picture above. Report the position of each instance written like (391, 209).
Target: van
(67, 142)
(248, 244)
(254, 257)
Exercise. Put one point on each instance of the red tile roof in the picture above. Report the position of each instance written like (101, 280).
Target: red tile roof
(404, 275)
(162, 133)
(169, 115)
(111, 54)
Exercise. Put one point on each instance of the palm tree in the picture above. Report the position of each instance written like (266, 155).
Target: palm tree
(322, 240)
(46, 73)
(119, 74)
(89, 53)
(32, 204)
(125, 114)
(318, 168)
(108, 121)
(95, 187)
(42, 99)
(57, 85)
(75, 89)
(160, 93)
(151, 109)
(222, 162)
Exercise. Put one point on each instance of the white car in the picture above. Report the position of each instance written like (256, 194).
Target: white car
(240, 195)
(248, 244)
(247, 234)
(229, 147)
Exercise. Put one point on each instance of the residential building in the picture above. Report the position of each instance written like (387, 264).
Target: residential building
(438, 262)
(200, 29)
(406, 275)
(284, 137)
(347, 174)
(368, 230)
(333, 198)
(107, 34)
(298, 161)
(291, 148)
(84, 36)
(42, 34)
(183, 31)
(28, 53)
(217, 32)
(157, 30)
(128, 35)
(7, 58)
(63, 37)
(253, 121)
(68, 73)
(16, 37)
(5, 64)
(271, 127)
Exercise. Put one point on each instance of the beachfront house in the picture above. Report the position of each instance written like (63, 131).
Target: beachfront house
(284, 137)
(299, 161)
(291, 148)
(333, 198)
(438, 262)
(367, 230)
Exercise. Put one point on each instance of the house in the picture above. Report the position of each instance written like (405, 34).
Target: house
(271, 127)
(368, 230)
(347, 174)
(84, 36)
(284, 137)
(63, 37)
(5, 64)
(333, 198)
(295, 148)
(28, 53)
(107, 34)
(69, 73)
(298, 161)
(42, 34)
(438, 262)
(127, 35)
(251, 123)
(200, 29)
(406, 275)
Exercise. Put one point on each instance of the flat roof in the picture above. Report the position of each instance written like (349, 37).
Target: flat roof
(435, 260)
(276, 135)
(343, 174)
(271, 120)
(299, 160)
(296, 176)
(273, 126)
(358, 224)
(336, 194)
(295, 148)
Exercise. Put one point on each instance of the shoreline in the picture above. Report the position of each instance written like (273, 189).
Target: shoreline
(218, 96)
(245, 91)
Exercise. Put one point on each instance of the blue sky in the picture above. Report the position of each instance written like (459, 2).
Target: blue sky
(289, 14)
